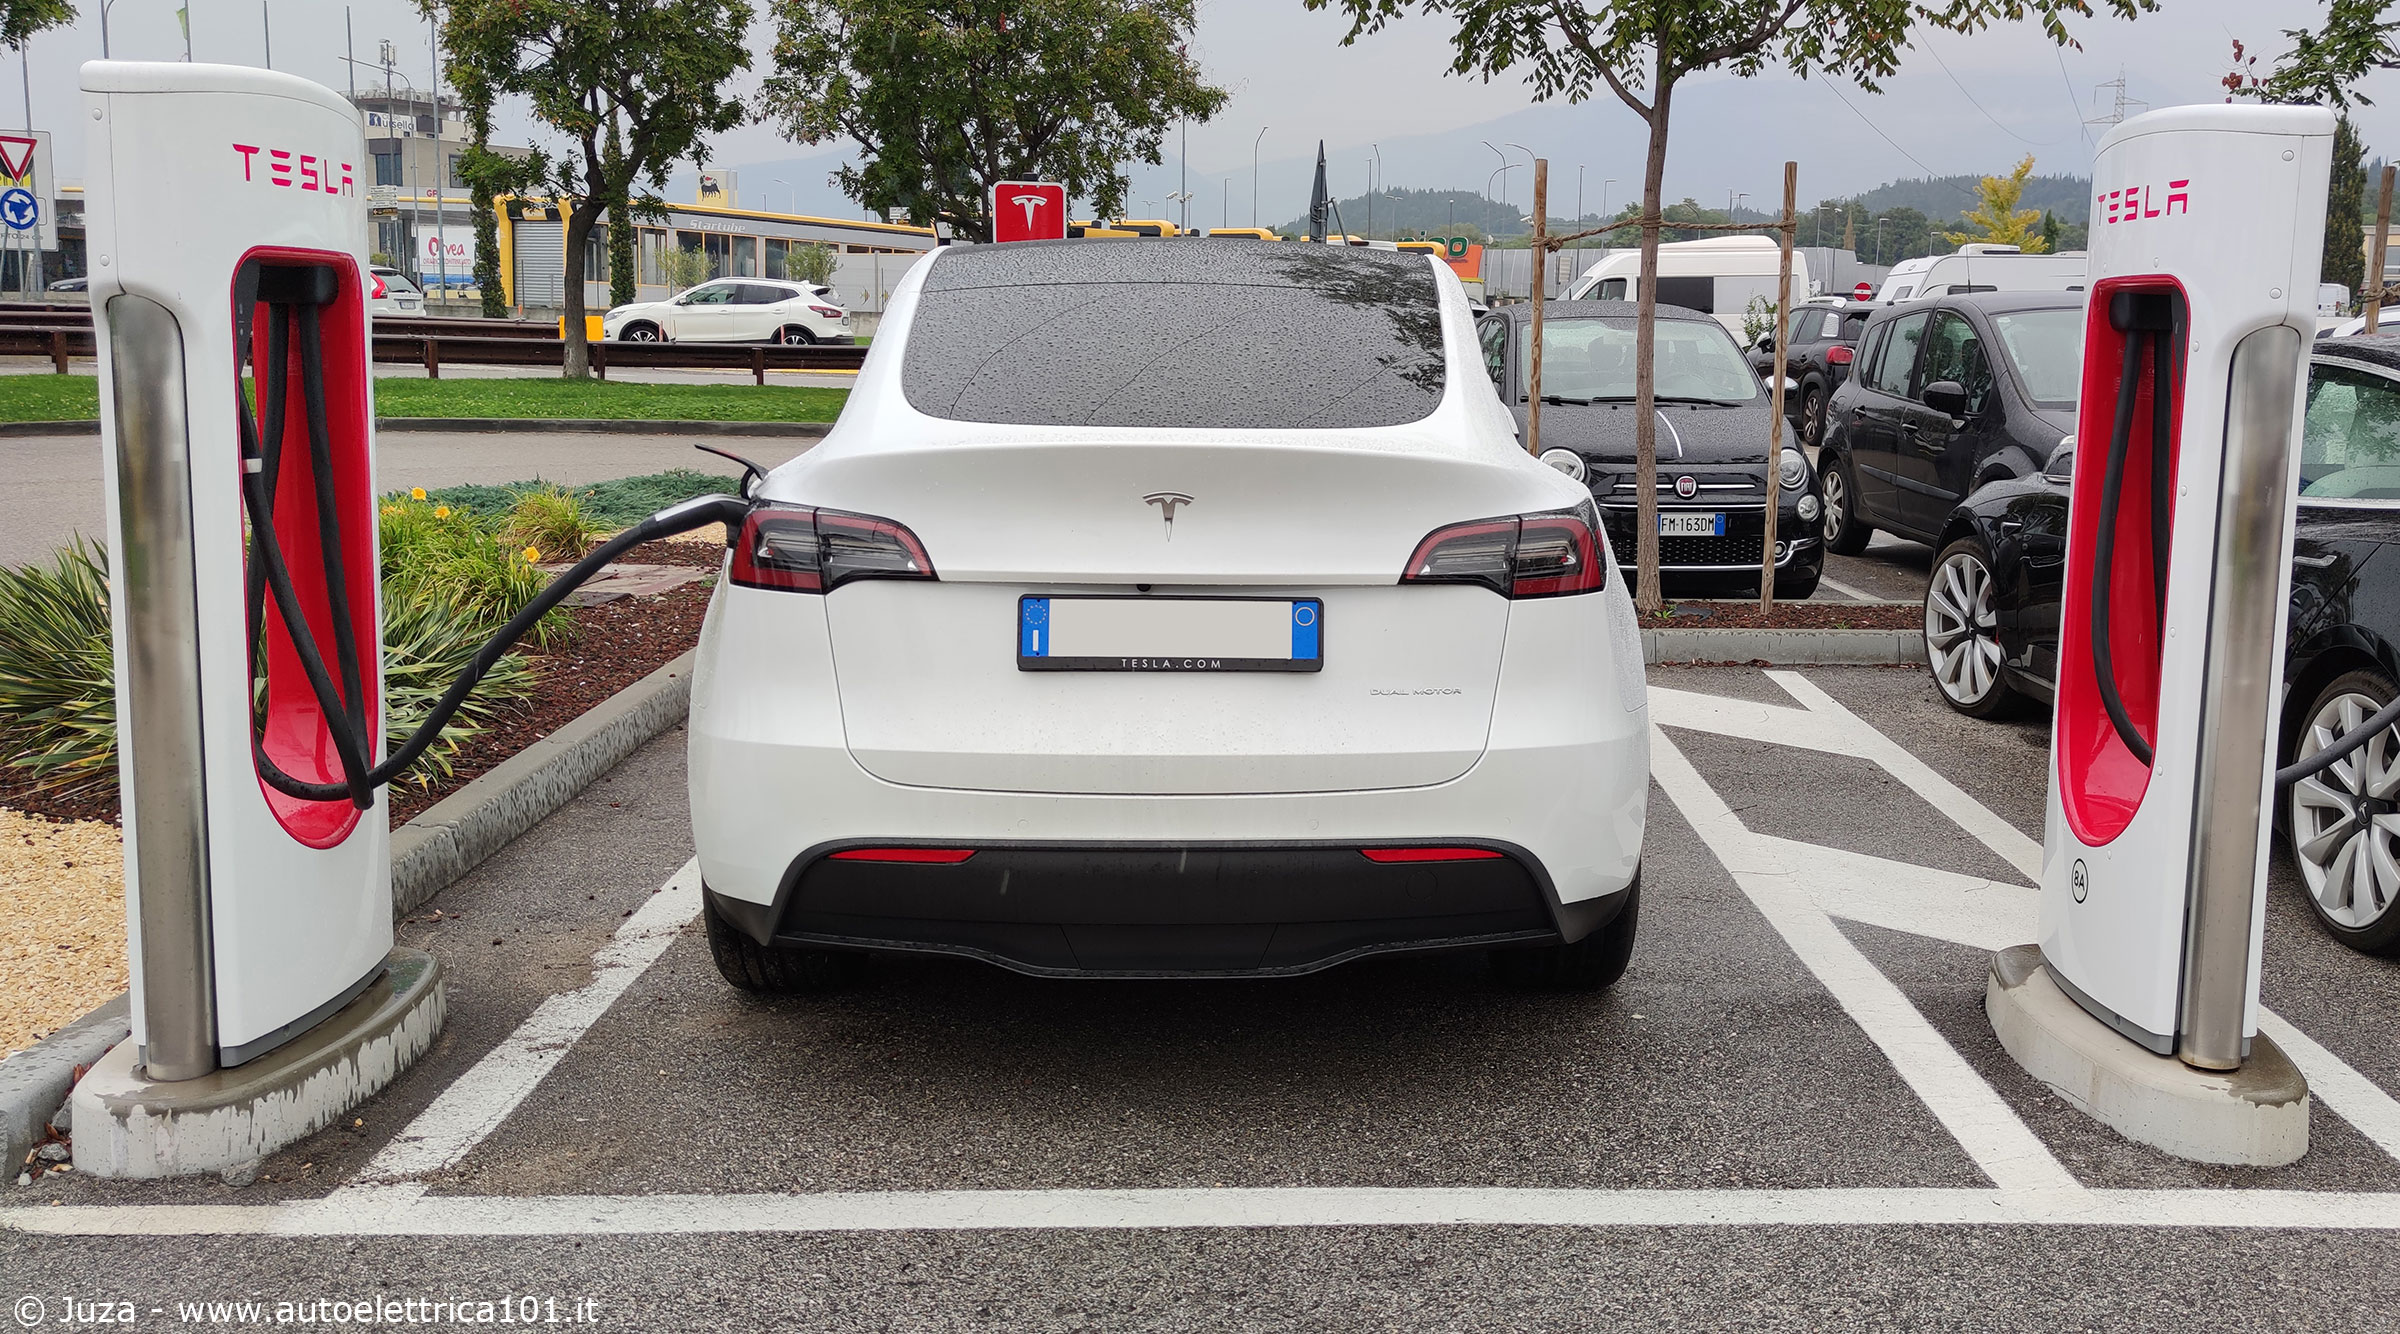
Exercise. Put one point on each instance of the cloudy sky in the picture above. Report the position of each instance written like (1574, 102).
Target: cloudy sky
(1959, 104)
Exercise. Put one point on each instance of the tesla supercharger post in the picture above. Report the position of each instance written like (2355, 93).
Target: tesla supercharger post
(227, 230)
(2206, 231)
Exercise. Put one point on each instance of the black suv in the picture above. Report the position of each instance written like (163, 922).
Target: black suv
(1932, 413)
(1824, 339)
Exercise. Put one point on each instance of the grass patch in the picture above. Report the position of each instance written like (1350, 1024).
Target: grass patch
(49, 398)
(607, 400)
(52, 398)
(606, 506)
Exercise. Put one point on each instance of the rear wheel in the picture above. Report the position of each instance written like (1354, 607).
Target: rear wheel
(773, 970)
(1962, 643)
(794, 335)
(1590, 964)
(1812, 416)
(2345, 821)
(1845, 533)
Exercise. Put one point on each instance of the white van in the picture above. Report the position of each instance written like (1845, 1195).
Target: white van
(1982, 267)
(1719, 276)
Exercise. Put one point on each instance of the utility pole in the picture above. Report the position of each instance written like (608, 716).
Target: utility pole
(349, 51)
(1262, 134)
(266, 31)
(104, 7)
(1183, 175)
(1225, 218)
(441, 170)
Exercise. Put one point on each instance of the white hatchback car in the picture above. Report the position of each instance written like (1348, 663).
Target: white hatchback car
(734, 310)
(1170, 608)
(389, 292)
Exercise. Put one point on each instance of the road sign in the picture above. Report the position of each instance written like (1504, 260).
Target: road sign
(1029, 211)
(28, 192)
(1863, 292)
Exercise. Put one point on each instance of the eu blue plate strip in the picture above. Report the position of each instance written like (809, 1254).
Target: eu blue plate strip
(1034, 631)
(1306, 617)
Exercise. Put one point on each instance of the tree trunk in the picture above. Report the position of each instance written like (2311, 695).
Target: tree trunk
(1645, 350)
(579, 236)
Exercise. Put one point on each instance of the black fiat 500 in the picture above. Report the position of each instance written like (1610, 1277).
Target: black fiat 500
(1713, 415)
(1946, 395)
(1992, 614)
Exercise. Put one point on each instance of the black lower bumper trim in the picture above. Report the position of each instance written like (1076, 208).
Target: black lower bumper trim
(1167, 910)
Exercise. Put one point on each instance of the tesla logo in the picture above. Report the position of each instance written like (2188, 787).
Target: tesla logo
(1686, 486)
(287, 169)
(1028, 203)
(2136, 203)
(1167, 502)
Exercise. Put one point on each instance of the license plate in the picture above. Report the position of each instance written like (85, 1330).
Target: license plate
(1170, 634)
(1691, 525)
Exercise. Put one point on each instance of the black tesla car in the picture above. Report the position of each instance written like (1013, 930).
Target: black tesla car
(1992, 615)
(1713, 417)
(1946, 394)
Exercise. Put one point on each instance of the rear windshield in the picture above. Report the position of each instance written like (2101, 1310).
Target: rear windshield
(1223, 335)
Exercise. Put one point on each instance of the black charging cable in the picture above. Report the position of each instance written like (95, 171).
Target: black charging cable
(294, 297)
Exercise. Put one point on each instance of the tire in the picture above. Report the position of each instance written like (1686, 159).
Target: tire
(1845, 533)
(1812, 416)
(640, 333)
(1962, 644)
(773, 971)
(2351, 889)
(1593, 963)
(795, 336)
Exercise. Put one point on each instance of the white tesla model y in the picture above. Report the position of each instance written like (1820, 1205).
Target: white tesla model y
(1170, 608)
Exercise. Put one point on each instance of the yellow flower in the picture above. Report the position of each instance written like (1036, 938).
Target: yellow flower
(533, 555)
(391, 509)
(416, 493)
(441, 511)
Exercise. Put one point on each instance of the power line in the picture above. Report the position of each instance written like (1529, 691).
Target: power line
(1930, 173)
(2073, 100)
(1962, 91)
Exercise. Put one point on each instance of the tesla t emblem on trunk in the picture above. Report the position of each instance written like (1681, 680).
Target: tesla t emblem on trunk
(1167, 502)
(1686, 487)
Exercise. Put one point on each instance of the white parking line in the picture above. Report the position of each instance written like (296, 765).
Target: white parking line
(479, 1100)
(1855, 595)
(358, 1214)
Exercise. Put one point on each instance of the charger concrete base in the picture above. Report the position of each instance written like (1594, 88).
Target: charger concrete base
(129, 1126)
(2256, 1116)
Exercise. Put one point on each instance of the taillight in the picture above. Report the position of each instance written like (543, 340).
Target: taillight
(829, 312)
(379, 288)
(1524, 556)
(1838, 355)
(803, 550)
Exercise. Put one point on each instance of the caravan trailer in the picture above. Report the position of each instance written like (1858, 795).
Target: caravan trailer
(1982, 267)
(1719, 276)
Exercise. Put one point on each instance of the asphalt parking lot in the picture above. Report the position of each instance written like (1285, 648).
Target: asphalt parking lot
(1790, 1113)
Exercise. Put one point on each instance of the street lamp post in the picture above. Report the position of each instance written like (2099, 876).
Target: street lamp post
(788, 192)
(1225, 216)
(1372, 185)
(1879, 240)
(1262, 134)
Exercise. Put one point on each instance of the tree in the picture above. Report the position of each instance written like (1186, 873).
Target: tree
(1642, 49)
(809, 264)
(946, 98)
(21, 19)
(1997, 220)
(2344, 261)
(2050, 230)
(635, 86)
(2325, 65)
(488, 175)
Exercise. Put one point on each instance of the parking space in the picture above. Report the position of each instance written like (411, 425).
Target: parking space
(1891, 569)
(1791, 1111)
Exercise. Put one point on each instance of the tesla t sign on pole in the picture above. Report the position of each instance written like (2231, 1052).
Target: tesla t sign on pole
(1029, 211)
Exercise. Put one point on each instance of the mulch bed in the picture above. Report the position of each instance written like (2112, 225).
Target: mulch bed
(613, 647)
(1729, 614)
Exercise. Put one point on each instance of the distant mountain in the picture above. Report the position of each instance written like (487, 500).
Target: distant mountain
(1434, 212)
(1943, 198)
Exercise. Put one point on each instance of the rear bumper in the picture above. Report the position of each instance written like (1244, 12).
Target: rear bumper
(1162, 910)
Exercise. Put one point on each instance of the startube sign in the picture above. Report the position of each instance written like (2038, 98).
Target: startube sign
(1029, 211)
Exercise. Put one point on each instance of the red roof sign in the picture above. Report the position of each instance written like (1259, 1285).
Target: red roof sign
(1029, 211)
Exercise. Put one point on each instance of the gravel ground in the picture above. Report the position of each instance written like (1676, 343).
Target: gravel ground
(62, 923)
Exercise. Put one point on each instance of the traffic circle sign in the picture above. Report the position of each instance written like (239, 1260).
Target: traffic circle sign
(19, 209)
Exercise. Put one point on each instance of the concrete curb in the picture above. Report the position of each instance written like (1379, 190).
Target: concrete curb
(428, 854)
(504, 426)
(1786, 648)
(35, 1082)
(460, 830)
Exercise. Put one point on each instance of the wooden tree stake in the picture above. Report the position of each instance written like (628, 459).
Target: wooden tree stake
(1789, 227)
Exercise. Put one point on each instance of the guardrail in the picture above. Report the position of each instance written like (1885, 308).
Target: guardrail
(62, 334)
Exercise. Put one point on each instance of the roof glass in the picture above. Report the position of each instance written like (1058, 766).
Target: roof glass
(1225, 335)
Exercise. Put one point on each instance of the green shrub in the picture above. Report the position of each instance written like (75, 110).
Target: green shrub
(58, 703)
(57, 675)
(434, 550)
(609, 506)
(550, 520)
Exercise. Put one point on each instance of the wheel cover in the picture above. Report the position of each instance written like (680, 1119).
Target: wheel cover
(1961, 630)
(1831, 490)
(794, 337)
(2344, 826)
(645, 334)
